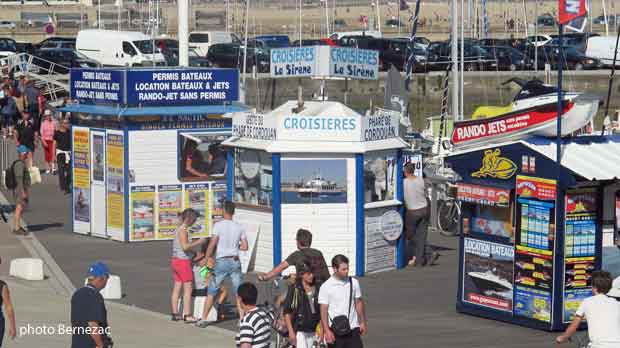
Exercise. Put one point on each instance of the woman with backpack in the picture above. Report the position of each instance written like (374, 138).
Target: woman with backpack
(301, 308)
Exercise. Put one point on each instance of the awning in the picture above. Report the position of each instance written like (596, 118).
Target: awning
(289, 146)
(105, 110)
(206, 137)
(247, 143)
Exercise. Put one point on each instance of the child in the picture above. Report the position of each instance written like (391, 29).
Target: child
(203, 270)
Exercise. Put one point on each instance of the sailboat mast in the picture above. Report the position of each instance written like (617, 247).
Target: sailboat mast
(611, 76)
(455, 67)
(183, 31)
(605, 18)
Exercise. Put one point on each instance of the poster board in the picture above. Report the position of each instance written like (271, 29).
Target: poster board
(169, 208)
(382, 227)
(143, 213)
(198, 197)
(579, 248)
(534, 248)
(115, 184)
(81, 180)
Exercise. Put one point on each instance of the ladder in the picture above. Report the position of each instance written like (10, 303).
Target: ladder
(51, 78)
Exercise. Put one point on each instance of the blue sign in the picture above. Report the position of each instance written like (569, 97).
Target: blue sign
(182, 86)
(294, 62)
(97, 86)
(354, 63)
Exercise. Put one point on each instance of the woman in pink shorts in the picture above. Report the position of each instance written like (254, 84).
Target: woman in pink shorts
(182, 266)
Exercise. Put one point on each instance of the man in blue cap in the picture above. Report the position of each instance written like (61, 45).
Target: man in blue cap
(89, 317)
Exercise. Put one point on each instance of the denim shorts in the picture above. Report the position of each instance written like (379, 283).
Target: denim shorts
(225, 267)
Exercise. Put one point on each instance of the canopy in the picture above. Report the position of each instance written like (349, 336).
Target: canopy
(104, 110)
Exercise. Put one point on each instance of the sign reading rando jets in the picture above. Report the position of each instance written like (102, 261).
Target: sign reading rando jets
(354, 63)
(294, 61)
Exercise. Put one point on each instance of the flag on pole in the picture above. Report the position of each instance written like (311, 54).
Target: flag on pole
(570, 10)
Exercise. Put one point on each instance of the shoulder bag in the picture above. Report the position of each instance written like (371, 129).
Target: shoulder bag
(340, 324)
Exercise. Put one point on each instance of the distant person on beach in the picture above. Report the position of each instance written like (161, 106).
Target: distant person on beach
(182, 266)
(5, 302)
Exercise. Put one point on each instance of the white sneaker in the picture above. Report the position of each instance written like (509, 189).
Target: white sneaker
(47, 171)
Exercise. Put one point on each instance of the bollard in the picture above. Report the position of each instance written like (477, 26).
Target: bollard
(112, 290)
(27, 268)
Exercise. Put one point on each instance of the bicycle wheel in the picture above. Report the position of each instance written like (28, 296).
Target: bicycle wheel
(448, 218)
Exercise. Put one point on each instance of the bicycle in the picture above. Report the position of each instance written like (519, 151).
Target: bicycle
(448, 213)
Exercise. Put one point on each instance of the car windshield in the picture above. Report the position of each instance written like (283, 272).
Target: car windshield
(275, 44)
(192, 53)
(199, 38)
(80, 55)
(144, 46)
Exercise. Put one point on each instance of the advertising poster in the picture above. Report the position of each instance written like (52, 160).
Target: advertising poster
(533, 268)
(197, 198)
(383, 227)
(380, 172)
(170, 201)
(115, 182)
(579, 248)
(488, 274)
(533, 303)
(484, 195)
(218, 193)
(142, 213)
(81, 175)
(536, 225)
(98, 165)
(314, 181)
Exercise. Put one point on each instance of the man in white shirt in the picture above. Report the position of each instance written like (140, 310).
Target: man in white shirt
(416, 219)
(341, 295)
(602, 313)
(229, 237)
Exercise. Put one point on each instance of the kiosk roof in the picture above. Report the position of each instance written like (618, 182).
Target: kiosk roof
(104, 110)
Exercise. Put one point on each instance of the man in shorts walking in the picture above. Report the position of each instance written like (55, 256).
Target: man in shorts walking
(229, 238)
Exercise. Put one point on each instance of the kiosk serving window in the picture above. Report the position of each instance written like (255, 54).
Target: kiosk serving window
(201, 156)
(253, 177)
(380, 172)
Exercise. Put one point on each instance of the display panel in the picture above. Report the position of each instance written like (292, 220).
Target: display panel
(197, 197)
(253, 178)
(115, 185)
(81, 179)
(579, 248)
(202, 156)
(314, 181)
(534, 247)
(170, 205)
(380, 173)
(488, 274)
(142, 213)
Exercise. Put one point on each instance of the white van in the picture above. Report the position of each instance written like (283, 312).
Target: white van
(119, 48)
(372, 33)
(602, 47)
(202, 40)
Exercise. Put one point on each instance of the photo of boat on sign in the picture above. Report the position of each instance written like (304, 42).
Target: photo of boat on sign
(314, 181)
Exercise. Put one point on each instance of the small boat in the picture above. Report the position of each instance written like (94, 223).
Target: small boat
(533, 111)
(489, 281)
(319, 186)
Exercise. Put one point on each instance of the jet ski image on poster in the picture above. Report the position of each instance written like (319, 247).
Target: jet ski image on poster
(533, 111)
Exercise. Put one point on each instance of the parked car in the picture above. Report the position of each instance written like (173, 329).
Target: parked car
(602, 48)
(574, 59)
(339, 35)
(395, 23)
(202, 40)
(230, 55)
(56, 42)
(475, 57)
(538, 40)
(339, 23)
(508, 58)
(119, 48)
(65, 57)
(611, 19)
(7, 47)
(577, 40)
(275, 40)
(24, 47)
(391, 51)
(7, 25)
(264, 46)
(546, 20)
(314, 42)
(170, 49)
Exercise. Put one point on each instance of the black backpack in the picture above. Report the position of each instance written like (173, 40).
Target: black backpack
(10, 179)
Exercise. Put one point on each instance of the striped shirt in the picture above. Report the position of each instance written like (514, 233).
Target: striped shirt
(255, 329)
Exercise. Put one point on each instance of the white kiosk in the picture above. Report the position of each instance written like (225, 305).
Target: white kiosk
(326, 168)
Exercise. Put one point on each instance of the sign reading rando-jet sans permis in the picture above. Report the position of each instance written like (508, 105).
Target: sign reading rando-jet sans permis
(97, 85)
(182, 87)
(325, 61)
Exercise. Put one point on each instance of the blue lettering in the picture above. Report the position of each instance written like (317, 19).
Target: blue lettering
(287, 123)
(294, 123)
(337, 125)
(330, 123)
(303, 123)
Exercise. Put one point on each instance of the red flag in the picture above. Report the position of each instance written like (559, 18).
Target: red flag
(571, 9)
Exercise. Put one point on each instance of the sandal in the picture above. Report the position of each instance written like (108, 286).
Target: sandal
(175, 317)
(189, 319)
(202, 323)
(20, 232)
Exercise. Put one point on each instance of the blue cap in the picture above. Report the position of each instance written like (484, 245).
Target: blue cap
(98, 270)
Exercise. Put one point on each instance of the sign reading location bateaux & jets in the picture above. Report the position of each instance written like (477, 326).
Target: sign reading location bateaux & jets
(182, 86)
(97, 85)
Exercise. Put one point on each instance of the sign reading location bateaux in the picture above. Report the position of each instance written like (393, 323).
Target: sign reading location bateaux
(97, 85)
(354, 63)
(182, 87)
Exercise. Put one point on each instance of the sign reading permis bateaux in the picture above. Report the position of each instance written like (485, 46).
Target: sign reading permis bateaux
(182, 87)
(97, 85)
